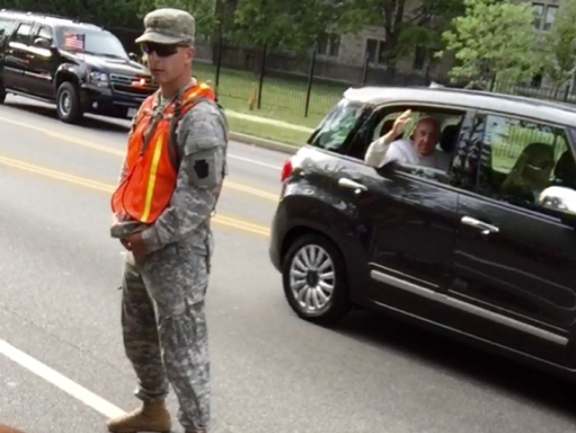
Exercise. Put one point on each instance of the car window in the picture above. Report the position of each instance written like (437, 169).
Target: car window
(45, 33)
(22, 35)
(6, 26)
(436, 164)
(337, 126)
(519, 159)
(90, 41)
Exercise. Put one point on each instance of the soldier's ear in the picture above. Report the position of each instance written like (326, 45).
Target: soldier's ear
(190, 53)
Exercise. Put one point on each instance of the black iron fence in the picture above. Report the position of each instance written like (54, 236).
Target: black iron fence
(296, 87)
(261, 80)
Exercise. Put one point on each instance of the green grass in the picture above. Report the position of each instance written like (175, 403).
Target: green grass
(283, 100)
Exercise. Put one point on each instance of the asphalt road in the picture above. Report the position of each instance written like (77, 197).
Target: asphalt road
(62, 366)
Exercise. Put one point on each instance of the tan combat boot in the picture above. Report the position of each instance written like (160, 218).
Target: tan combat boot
(151, 417)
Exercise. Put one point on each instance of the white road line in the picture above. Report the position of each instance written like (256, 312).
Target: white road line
(52, 376)
(256, 162)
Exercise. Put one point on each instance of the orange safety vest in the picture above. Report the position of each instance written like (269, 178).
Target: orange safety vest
(152, 161)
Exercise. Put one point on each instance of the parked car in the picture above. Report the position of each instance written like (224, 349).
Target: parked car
(80, 67)
(485, 250)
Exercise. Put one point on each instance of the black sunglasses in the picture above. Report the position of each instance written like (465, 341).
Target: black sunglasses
(161, 50)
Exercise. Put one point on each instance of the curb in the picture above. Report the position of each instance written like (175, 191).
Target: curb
(264, 143)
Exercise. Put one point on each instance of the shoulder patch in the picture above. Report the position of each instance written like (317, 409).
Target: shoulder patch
(202, 168)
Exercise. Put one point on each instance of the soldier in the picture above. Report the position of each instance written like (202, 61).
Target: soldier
(168, 189)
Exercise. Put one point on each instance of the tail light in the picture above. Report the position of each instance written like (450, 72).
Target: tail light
(286, 171)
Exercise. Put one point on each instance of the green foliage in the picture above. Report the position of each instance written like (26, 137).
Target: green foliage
(290, 25)
(494, 39)
(560, 46)
(280, 24)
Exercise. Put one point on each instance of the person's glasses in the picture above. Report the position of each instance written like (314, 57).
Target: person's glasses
(161, 50)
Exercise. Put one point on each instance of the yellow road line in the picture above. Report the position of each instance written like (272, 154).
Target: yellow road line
(225, 220)
(111, 151)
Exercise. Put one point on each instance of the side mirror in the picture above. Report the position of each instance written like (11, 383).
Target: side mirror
(43, 43)
(560, 200)
(133, 57)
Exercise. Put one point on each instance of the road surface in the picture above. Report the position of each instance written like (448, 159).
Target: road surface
(62, 367)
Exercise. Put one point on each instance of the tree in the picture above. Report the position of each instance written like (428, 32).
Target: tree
(294, 25)
(560, 46)
(493, 40)
(281, 24)
(404, 27)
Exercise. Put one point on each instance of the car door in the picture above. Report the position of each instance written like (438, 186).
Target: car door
(43, 63)
(18, 57)
(409, 217)
(514, 262)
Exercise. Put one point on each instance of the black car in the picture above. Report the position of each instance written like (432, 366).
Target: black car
(485, 250)
(81, 67)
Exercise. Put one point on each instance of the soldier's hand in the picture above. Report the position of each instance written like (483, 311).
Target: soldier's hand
(136, 245)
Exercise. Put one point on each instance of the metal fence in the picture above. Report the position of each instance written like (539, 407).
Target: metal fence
(295, 87)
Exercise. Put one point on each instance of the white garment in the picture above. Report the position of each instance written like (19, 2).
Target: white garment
(404, 152)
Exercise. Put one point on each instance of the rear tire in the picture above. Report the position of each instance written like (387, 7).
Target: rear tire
(315, 281)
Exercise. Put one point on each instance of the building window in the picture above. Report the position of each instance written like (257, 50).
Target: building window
(329, 45)
(550, 17)
(538, 15)
(375, 51)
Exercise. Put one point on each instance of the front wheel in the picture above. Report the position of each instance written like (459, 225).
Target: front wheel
(68, 103)
(314, 280)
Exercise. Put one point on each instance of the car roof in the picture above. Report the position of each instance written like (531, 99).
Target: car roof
(56, 20)
(546, 111)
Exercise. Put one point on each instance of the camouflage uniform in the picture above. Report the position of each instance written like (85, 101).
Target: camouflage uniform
(163, 320)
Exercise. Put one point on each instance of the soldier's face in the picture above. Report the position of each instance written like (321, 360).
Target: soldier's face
(168, 62)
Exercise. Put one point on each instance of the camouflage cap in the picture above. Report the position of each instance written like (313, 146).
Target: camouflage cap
(168, 26)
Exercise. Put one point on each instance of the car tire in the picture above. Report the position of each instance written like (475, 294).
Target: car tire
(2, 92)
(68, 103)
(328, 270)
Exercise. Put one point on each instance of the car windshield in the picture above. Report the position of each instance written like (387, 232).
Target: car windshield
(336, 126)
(91, 42)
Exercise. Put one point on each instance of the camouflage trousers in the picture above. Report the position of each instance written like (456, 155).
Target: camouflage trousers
(164, 329)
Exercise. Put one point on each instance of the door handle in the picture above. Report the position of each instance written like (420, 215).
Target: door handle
(485, 228)
(352, 184)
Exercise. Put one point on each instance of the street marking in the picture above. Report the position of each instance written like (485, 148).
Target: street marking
(255, 162)
(120, 153)
(60, 381)
(107, 188)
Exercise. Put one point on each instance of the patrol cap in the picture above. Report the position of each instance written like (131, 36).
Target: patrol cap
(168, 26)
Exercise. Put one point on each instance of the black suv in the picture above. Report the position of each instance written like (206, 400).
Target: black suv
(485, 250)
(81, 67)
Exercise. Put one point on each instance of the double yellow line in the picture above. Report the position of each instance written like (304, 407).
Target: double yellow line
(111, 151)
(109, 189)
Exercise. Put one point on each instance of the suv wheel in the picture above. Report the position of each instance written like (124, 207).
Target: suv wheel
(314, 279)
(68, 103)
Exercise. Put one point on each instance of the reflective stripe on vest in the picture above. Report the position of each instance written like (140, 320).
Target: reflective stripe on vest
(151, 173)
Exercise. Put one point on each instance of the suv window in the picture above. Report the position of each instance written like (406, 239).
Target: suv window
(6, 26)
(22, 35)
(334, 130)
(90, 41)
(45, 33)
(521, 158)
